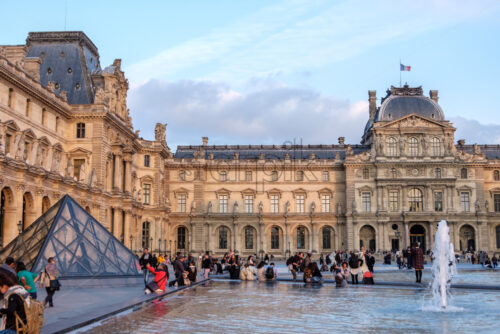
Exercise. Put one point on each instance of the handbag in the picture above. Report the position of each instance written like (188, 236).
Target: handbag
(53, 283)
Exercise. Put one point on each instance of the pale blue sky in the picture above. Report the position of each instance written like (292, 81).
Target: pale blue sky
(269, 71)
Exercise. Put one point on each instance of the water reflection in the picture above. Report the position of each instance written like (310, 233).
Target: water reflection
(228, 307)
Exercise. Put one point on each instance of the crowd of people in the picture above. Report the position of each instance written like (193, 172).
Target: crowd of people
(20, 310)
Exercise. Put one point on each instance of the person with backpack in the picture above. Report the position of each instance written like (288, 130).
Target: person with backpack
(271, 272)
(49, 280)
(14, 296)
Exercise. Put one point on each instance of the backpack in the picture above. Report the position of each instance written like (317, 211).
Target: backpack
(34, 317)
(269, 272)
(289, 261)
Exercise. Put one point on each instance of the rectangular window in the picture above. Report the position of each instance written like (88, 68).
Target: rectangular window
(80, 130)
(10, 102)
(394, 200)
(8, 139)
(438, 173)
(248, 176)
(182, 175)
(366, 201)
(77, 164)
(44, 116)
(147, 193)
(248, 203)
(464, 200)
(27, 149)
(438, 201)
(57, 123)
(223, 203)
(146, 160)
(325, 203)
(496, 200)
(300, 175)
(223, 176)
(274, 175)
(181, 203)
(300, 199)
(275, 203)
(28, 107)
(326, 176)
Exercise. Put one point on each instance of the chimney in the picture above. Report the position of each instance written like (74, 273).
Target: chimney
(205, 141)
(461, 142)
(341, 140)
(32, 67)
(434, 95)
(372, 99)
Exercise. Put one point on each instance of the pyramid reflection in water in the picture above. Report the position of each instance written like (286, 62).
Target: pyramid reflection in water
(81, 246)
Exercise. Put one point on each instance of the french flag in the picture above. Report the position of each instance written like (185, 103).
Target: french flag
(404, 68)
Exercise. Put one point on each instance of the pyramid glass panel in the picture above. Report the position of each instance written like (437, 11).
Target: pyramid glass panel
(81, 246)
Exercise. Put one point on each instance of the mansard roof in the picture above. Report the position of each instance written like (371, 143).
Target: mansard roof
(278, 152)
(68, 59)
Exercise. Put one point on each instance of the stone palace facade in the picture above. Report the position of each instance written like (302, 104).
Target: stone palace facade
(65, 129)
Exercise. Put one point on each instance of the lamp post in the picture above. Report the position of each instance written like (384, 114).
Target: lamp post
(131, 243)
(170, 241)
(20, 227)
(151, 243)
(159, 246)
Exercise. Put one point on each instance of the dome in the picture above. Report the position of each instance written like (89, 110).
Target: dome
(404, 101)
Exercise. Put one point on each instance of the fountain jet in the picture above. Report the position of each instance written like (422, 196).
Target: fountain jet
(443, 267)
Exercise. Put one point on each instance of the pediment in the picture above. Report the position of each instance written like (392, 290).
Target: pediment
(273, 191)
(247, 191)
(181, 190)
(79, 151)
(412, 121)
(299, 191)
(223, 191)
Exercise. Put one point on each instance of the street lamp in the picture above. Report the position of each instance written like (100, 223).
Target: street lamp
(131, 241)
(151, 243)
(170, 241)
(20, 227)
(159, 245)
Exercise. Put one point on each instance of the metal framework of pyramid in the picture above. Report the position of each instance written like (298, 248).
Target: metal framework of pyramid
(81, 246)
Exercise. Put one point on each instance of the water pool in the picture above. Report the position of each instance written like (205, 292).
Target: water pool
(253, 307)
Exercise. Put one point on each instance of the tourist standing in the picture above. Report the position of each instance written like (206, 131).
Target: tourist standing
(261, 271)
(363, 267)
(370, 261)
(27, 279)
(206, 265)
(50, 273)
(192, 272)
(494, 261)
(145, 260)
(354, 265)
(417, 261)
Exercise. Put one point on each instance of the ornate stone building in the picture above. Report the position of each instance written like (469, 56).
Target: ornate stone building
(65, 128)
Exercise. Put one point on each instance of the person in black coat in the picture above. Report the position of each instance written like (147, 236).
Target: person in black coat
(145, 260)
(370, 261)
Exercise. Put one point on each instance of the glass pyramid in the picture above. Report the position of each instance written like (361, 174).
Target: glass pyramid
(81, 246)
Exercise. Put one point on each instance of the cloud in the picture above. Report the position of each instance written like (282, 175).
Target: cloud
(270, 113)
(474, 132)
(292, 36)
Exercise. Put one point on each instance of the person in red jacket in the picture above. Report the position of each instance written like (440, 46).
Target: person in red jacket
(159, 283)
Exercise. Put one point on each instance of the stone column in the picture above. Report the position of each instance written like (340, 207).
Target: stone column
(128, 175)
(127, 227)
(207, 241)
(117, 223)
(261, 245)
(312, 239)
(117, 179)
(431, 236)
(407, 234)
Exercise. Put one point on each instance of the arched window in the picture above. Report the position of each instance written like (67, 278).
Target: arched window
(275, 238)
(436, 147)
(145, 235)
(496, 175)
(463, 173)
(415, 199)
(301, 237)
(223, 237)
(392, 147)
(181, 237)
(413, 147)
(45, 204)
(327, 237)
(249, 236)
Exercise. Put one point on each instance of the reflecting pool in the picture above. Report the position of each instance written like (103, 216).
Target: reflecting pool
(283, 307)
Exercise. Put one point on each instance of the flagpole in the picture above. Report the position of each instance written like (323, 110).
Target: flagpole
(400, 72)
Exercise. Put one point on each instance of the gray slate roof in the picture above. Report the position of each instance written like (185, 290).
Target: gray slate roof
(396, 107)
(269, 151)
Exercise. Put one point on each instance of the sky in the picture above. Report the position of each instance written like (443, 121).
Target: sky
(269, 72)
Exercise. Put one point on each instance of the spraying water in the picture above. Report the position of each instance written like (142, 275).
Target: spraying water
(443, 267)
